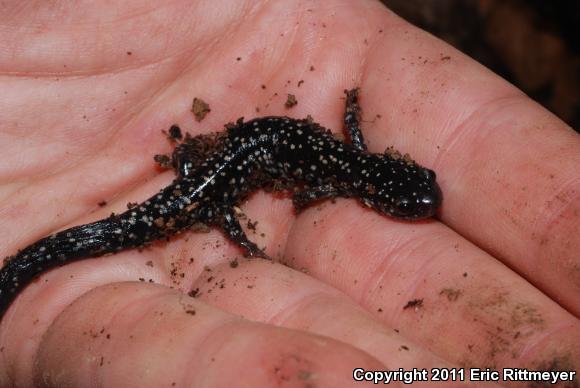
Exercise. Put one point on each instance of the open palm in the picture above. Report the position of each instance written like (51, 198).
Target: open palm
(86, 91)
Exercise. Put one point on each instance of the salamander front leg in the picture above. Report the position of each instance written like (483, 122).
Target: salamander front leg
(352, 114)
(231, 226)
(304, 198)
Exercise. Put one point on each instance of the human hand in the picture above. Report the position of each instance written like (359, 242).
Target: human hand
(86, 91)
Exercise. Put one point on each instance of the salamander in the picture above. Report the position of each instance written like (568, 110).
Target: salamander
(216, 172)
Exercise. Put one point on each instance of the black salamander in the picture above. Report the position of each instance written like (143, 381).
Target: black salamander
(216, 172)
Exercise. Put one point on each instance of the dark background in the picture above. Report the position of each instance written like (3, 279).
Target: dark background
(534, 44)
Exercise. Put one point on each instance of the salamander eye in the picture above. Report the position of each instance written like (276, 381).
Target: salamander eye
(429, 175)
(405, 206)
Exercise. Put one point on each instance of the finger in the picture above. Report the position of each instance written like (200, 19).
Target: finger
(508, 168)
(438, 289)
(274, 294)
(114, 333)
(174, 263)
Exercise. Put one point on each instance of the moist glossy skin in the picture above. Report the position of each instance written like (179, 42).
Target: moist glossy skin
(216, 172)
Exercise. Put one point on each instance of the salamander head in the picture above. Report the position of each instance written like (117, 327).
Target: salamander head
(402, 190)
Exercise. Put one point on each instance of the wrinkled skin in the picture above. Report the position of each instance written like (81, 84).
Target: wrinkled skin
(86, 90)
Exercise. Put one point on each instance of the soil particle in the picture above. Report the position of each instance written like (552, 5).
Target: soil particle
(163, 161)
(290, 101)
(175, 133)
(200, 109)
(416, 303)
(194, 293)
(452, 294)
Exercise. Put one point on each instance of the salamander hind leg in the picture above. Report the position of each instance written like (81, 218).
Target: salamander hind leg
(233, 230)
(352, 117)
